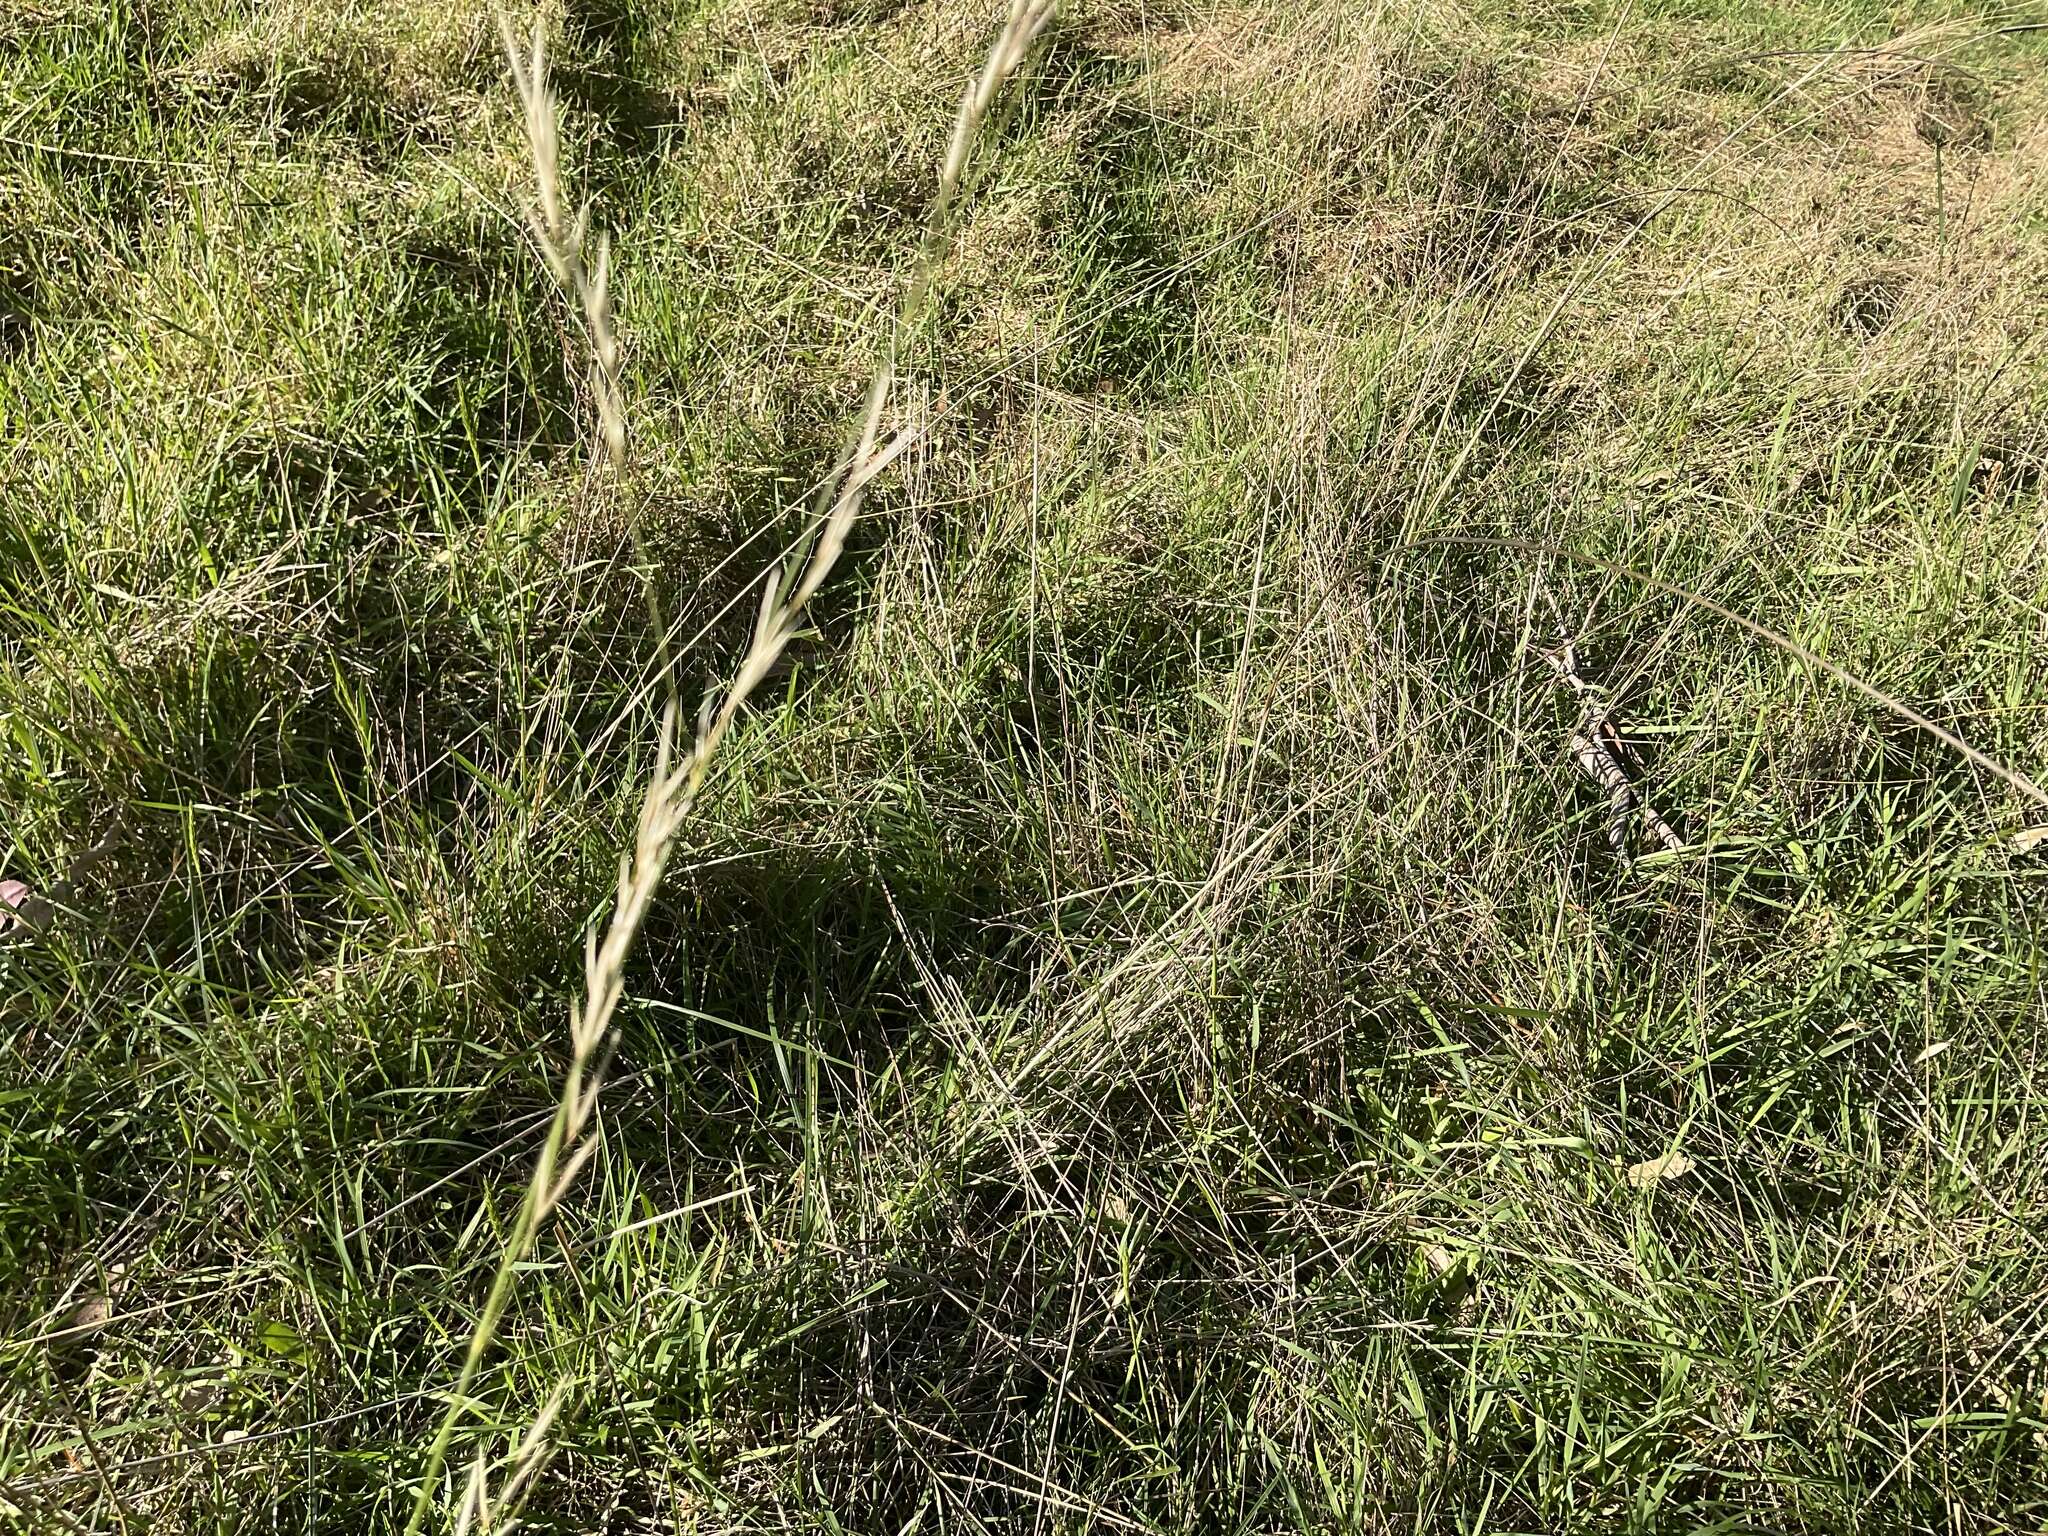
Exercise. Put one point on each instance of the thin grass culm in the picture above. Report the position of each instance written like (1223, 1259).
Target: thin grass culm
(679, 772)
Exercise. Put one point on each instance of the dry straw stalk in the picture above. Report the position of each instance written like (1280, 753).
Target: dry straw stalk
(678, 776)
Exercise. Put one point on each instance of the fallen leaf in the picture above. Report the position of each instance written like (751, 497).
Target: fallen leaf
(2028, 839)
(1670, 1166)
(1931, 1052)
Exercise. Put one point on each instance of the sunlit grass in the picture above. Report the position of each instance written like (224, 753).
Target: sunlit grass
(1144, 1026)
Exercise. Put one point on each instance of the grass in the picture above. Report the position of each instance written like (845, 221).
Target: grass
(1143, 1027)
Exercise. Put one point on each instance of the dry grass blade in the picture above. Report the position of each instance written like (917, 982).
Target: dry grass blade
(678, 778)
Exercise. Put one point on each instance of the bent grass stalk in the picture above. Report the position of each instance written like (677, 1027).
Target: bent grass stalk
(677, 780)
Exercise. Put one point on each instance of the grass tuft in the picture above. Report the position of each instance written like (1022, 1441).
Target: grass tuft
(1122, 1011)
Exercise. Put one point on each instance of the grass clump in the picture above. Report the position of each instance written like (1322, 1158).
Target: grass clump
(1143, 1027)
